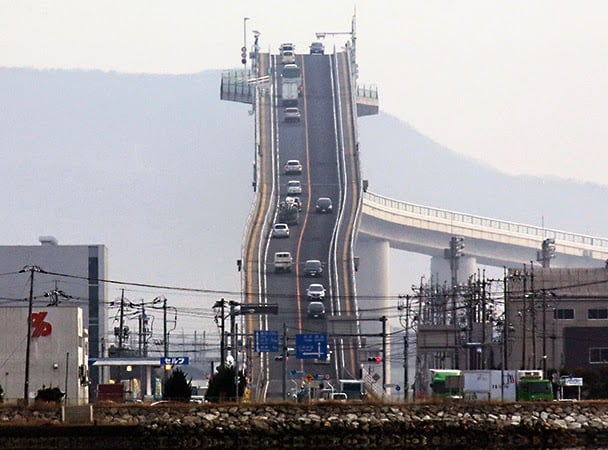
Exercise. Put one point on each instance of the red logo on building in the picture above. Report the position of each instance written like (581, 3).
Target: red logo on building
(41, 328)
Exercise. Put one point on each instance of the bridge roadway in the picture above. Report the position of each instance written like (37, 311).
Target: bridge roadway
(493, 242)
(324, 142)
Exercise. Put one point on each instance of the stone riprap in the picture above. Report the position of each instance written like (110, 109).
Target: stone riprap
(322, 425)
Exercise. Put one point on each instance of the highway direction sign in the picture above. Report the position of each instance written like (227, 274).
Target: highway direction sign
(311, 346)
(266, 341)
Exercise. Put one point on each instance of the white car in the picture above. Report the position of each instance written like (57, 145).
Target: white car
(294, 187)
(293, 166)
(288, 57)
(292, 114)
(280, 230)
(286, 46)
(315, 291)
(294, 201)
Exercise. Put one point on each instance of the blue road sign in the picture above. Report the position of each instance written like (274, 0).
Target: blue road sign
(311, 346)
(175, 360)
(266, 341)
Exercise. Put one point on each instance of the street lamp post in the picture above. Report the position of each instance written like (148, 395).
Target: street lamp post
(245, 19)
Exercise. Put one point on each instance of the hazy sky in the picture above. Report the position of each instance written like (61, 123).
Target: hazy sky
(522, 85)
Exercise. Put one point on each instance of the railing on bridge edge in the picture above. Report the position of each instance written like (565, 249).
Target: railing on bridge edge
(236, 86)
(367, 91)
(513, 227)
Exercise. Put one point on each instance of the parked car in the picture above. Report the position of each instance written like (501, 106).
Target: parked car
(317, 48)
(313, 268)
(292, 114)
(293, 166)
(294, 187)
(280, 230)
(316, 310)
(324, 205)
(315, 291)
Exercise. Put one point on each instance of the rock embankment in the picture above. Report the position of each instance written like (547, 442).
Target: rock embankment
(323, 425)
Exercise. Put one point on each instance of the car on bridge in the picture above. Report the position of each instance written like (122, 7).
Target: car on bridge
(294, 201)
(313, 268)
(288, 57)
(280, 230)
(315, 291)
(316, 310)
(287, 46)
(317, 48)
(282, 262)
(294, 187)
(292, 114)
(293, 166)
(324, 205)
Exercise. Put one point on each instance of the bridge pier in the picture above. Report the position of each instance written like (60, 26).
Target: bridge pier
(373, 294)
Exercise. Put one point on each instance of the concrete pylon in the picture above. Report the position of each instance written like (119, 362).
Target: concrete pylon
(441, 272)
(373, 297)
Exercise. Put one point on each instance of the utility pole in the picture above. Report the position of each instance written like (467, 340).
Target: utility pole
(165, 334)
(384, 320)
(505, 325)
(121, 322)
(453, 254)
(284, 362)
(524, 313)
(26, 384)
(545, 331)
(221, 304)
(533, 315)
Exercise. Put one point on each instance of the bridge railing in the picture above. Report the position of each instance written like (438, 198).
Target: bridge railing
(469, 219)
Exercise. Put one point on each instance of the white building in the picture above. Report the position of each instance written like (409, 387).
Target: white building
(58, 352)
(68, 275)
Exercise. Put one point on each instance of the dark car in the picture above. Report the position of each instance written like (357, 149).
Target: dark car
(324, 205)
(317, 48)
(313, 268)
(316, 310)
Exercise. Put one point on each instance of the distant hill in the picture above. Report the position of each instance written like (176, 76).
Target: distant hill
(159, 170)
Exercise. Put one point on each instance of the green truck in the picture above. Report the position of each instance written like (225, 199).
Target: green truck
(531, 385)
(445, 383)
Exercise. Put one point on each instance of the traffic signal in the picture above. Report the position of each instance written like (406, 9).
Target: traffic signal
(375, 359)
(243, 55)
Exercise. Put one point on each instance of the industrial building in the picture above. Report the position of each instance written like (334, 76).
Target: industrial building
(558, 318)
(64, 276)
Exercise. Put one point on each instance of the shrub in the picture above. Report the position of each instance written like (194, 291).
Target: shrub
(177, 386)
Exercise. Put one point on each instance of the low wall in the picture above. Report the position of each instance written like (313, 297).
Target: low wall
(323, 425)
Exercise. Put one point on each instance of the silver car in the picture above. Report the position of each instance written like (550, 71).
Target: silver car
(280, 230)
(294, 187)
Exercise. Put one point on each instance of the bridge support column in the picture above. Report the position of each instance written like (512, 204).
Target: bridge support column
(441, 272)
(373, 296)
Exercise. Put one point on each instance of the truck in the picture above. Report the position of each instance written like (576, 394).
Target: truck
(495, 385)
(532, 385)
(445, 383)
(354, 389)
(290, 92)
(289, 213)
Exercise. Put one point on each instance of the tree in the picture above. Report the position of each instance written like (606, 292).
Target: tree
(223, 386)
(178, 386)
(49, 395)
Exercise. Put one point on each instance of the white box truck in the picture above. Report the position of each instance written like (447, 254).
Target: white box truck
(495, 385)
